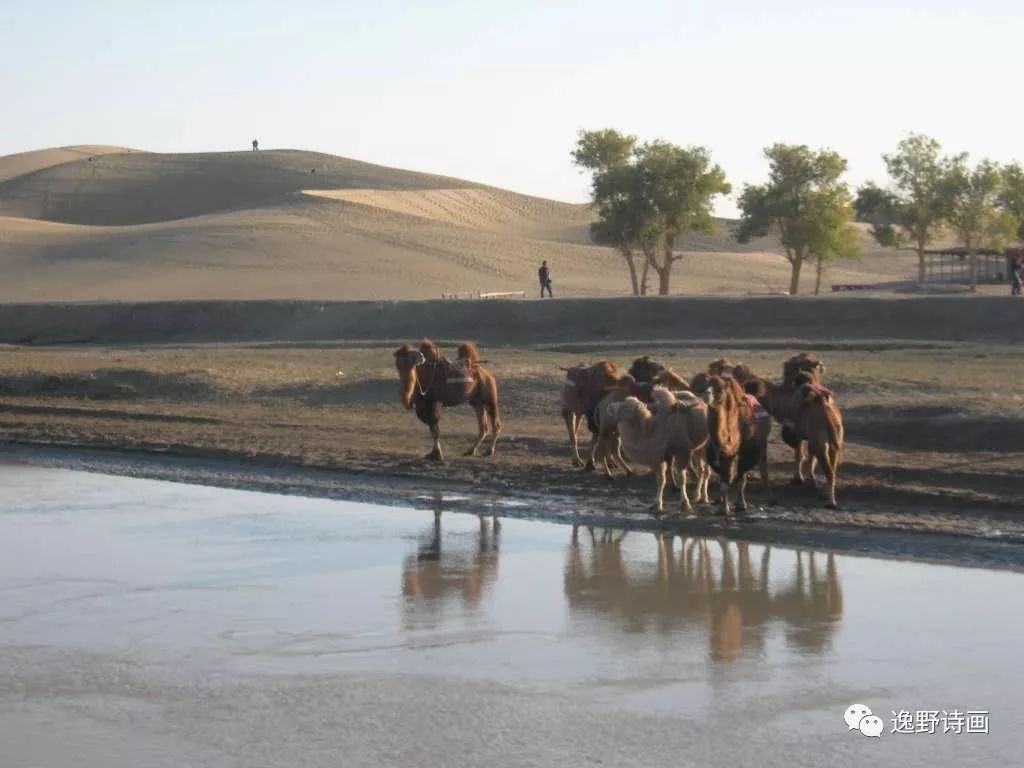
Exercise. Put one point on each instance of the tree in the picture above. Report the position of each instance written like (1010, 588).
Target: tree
(614, 192)
(677, 185)
(645, 196)
(1011, 198)
(879, 208)
(975, 211)
(804, 204)
(835, 238)
(918, 201)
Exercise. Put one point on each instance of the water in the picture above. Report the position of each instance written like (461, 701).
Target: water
(150, 623)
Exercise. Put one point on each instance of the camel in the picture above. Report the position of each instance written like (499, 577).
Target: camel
(430, 383)
(582, 390)
(643, 375)
(780, 401)
(820, 421)
(738, 438)
(672, 431)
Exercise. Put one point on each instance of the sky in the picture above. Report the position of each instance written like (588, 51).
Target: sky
(496, 92)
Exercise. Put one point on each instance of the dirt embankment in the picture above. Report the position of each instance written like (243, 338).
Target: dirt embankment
(812, 321)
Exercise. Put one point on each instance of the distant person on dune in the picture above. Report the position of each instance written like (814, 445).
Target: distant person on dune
(255, 145)
(544, 275)
(1015, 275)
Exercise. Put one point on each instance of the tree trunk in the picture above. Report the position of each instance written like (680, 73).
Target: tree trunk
(666, 270)
(972, 254)
(643, 280)
(920, 264)
(817, 277)
(627, 254)
(797, 261)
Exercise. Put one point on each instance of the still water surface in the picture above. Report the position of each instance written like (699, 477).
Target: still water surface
(173, 624)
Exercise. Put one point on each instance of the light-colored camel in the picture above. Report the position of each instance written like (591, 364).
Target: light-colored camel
(673, 430)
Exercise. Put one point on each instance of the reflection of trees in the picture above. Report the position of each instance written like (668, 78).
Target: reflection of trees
(734, 601)
(442, 570)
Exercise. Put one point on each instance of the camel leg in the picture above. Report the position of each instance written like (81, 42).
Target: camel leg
(618, 457)
(572, 424)
(589, 466)
(482, 428)
(492, 411)
(743, 492)
(599, 453)
(832, 474)
(702, 471)
(723, 488)
(659, 501)
(436, 454)
(684, 478)
(798, 458)
(765, 481)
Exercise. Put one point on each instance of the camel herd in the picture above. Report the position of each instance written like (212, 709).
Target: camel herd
(719, 422)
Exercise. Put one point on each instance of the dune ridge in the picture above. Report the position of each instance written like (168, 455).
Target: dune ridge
(290, 224)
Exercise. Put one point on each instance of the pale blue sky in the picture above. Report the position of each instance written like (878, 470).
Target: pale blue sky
(495, 92)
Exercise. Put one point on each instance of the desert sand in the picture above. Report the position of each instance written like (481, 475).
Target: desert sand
(109, 224)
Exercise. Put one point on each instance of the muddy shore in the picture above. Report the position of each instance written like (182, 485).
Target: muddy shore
(932, 469)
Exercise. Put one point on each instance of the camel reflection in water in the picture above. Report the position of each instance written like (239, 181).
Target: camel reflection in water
(453, 571)
(734, 601)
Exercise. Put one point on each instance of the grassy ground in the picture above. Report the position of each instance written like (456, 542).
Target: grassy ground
(935, 432)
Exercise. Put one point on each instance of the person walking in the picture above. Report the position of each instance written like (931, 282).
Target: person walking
(255, 145)
(544, 275)
(1015, 275)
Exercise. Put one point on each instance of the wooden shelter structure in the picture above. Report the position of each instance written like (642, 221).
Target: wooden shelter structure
(953, 266)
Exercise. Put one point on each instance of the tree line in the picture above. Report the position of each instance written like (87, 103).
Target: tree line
(646, 195)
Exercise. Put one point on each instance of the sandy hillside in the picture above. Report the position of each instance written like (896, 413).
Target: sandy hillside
(28, 162)
(92, 223)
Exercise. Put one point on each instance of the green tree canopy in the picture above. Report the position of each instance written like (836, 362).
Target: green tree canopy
(804, 203)
(975, 212)
(646, 196)
(916, 204)
(1011, 198)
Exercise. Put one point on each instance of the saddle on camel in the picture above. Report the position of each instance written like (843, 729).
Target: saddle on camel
(429, 383)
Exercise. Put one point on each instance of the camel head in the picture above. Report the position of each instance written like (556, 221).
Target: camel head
(721, 367)
(407, 360)
(715, 391)
(646, 369)
(805, 362)
(743, 373)
(672, 380)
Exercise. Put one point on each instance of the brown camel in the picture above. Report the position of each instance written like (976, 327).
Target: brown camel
(820, 421)
(781, 403)
(582, 390)
(430, 383)
(738, 427)
(672, 431)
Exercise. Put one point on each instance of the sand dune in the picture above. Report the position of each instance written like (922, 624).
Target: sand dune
(29, 162)
(290, 224)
